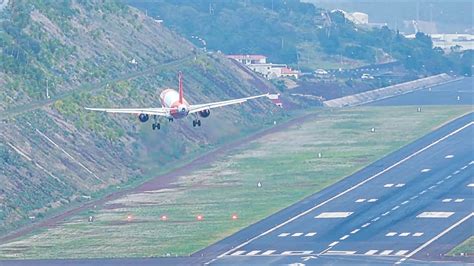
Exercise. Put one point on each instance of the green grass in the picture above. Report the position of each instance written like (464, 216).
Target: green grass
(466, 248)
(286, 163)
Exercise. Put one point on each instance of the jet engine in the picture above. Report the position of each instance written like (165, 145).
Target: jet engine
(204, 113)
(143, 117)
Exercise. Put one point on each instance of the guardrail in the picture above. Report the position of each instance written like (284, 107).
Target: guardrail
(390, 91)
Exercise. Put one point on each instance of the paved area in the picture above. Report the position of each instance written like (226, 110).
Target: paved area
(452, 93)
(393, 211)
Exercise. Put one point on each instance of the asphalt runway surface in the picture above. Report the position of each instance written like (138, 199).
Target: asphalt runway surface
(394, 211)
(409, 207)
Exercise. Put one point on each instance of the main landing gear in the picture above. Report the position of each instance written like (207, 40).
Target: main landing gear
(156, 124)
(196, 122)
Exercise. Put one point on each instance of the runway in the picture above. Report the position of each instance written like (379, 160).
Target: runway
(396, 210)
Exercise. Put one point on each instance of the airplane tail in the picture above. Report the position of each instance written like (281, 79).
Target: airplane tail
(181, 92)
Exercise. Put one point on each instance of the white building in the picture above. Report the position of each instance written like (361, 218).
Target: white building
(446, 41)
(249, 59)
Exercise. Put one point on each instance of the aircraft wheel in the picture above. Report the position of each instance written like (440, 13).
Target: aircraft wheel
(199, 123)
(194, 123)
(158, 126)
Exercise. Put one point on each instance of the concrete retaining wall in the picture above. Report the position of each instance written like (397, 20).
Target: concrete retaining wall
(390, 91)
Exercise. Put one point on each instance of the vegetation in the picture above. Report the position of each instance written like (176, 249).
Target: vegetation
(55, 154)
(132, 226)
(464, 249)
(283, 30)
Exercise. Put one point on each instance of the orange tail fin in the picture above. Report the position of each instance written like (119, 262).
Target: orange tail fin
(181, 92)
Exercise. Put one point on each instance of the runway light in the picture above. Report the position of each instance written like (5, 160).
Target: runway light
(234, 217)
(164, 217)
(129, 217)
(199, 217)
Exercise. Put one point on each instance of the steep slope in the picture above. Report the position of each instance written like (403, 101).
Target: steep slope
(93, 53)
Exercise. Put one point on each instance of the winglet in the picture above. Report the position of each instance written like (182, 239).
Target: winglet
(180, 77)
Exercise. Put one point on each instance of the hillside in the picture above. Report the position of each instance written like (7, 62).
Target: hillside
(300, 34)
(54, 154)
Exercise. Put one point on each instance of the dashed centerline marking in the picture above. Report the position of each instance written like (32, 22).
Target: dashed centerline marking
(426, 170)
(355, 231)
(334, 243)
(344, 237)
(449, 156)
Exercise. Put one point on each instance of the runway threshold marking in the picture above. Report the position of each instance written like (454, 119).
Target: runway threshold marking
(436, 237)
(349, 189)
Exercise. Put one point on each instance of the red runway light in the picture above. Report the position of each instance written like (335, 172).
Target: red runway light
(164, 218)
(129, 217)
(234, 217)
(199, 217)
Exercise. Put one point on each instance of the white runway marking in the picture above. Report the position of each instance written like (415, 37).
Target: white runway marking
(426, 170)
(344, 237)
(456, 172)
(297, 234)
(311, 234)
(360, 200)
(436, 237)
(386, 213)
(375, 219)
(237, 253)
(371, 252)
(404, 234)
(388, 185)
(418, 234)
(434, 214)
(372, 200)
(365, 225)
(414, 197)
(391, 234)
(400, 185)
(405, 202)
(396, 207)
(355, 231)
(341, 252)
(349, 189)
(401, 253)
(268, 252)
(431, 187)
(471, 185)
(283, 234)
(464, 167)
(458, 200)
(449, 176)
(297, 252)
(334, 243)
(386, 252)
(449, 156)
(440, 182)
(329, 215)
(253, 253)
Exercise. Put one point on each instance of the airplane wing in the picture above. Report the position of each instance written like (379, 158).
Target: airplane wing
(201, 107)
(150, 111)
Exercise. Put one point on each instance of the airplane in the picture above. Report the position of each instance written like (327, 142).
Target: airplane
(174, 106)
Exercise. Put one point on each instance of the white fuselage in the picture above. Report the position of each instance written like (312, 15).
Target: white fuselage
(170, 99)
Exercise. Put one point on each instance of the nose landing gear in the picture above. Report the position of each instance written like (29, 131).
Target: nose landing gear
(196, 122)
